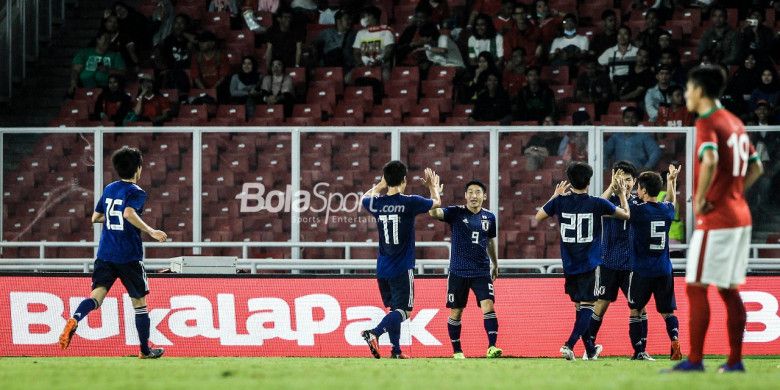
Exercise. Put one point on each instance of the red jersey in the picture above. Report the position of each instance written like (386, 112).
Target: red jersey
(674, 118)
(724, 133)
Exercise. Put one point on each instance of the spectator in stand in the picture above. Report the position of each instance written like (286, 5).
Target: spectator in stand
(261, 5)
(210, 68)
(475, 79)
(593, 86)
(440, 10)
(374, 44)
(484, 7)
(741, 85)
(768, 89)
(492, 103)
(574, 145)
(230, 6)
(113, 103)
(134, 26)
(503, 20)
(648, 38)
(163, 17)
(523, 34)
(150, 106)
(671, 58)
(570, 47)
(245, 86)
(284, 43)
(541, 145)
(174, 56)
(92, 66)
(755, 36)
(675, 114)
(535, 101)
(621, 57)
(118, 42)
(485, 38)
(659, 94)
(608, 36)
(334, 45)
(638, 148)
(440, 49)
(761, 115)
(277, 88)
(640, 78)
(409, 42)
(720, 40)
(514, 72)
(547, 21)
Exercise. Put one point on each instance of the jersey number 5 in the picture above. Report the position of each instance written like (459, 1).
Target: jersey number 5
(575, 222)
(394, 220)
(740, 149)
(656, 234)
(111, 212)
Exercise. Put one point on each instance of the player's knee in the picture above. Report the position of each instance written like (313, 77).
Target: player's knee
(601, 307)
(99, 294)
(138, 302)
(486, 306)
(456, 314)
(667, 315)
(644, 311)
(636, 312)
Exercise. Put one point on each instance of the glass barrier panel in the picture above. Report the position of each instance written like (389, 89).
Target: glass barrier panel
(762, 197)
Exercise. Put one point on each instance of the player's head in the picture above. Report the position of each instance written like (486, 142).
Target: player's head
(579, 174)
(476, 194)
(629, 171)
(650, 184)
(394, 173)
(127, 163)
(704, 83)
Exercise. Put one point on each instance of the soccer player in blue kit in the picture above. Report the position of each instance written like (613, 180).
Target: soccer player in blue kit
(473, 264)
(579, 216)
(652, 274)
(120, 252)
(395, 214)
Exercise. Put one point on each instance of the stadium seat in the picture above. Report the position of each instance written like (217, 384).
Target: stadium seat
(236, 112)
(75, 110)
(409, 74)
(365, 94)
(386, 111)
(444, 104)
(571, 108)
(401, 104)
(298, 76)
(330, 74)
(309, 110)
(218, 23)
(274, 113)
(616, 108)
(555, 75)
(324, 94)
(462, 110)
(367, 72)
(563, 93)
(88, 95)
(419, 121)
(348, 109)
(437, 89)
(193, 113)
(445, 73)
(243, 37)
(303, 121)
(402, 89)
(200, 93)
(430, 111)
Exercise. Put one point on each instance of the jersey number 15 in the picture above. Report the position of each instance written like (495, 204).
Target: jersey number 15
(112, 212)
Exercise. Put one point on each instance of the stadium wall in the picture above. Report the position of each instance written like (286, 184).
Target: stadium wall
(322, 317)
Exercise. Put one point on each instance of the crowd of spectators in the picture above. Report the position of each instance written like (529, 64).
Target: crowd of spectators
(502, 53)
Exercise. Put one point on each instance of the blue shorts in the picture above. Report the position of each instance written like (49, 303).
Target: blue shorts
(660, 287)
(613, 280)
(458, 290)
(132, 275)
(398, 292)
(584, 287)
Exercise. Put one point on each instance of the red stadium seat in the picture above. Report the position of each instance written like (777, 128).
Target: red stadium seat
(571, 108)
(218, 23)
(444, 104)
(244, 37)
(563, 92)
(298, 76)
(402, 89)
(462, 111)
(274, 113)
(303, 121)
(310, 110)
(330, 74)
(556, 75)
(75, 110)
(236, 112)
(419, 121)
(426, 111)
(401, 104)
(349, 109)
(410, 74)
(324, 94)
(367, 72)
(365, 94)
(194, 113)
(441, 73)
(387, 112)
(437, 89)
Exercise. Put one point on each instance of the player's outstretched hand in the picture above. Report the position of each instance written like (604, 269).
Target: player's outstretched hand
(562, 188)
(382, 184)
(673, 172)
(158, 235)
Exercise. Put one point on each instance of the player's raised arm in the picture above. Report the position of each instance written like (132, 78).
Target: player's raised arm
(377, 189)
(612, 185)
(671, 185)
(438, 212)
(131, 216)
(431, 180)
(98, 217)
(707, 166)
(492, 253)
(623, 212)
(560, 189)
(755, 170)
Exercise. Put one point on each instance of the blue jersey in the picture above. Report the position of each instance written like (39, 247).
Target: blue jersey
(395, 222)
(580, 218)
(617, 237)
(120, 241)
(471, 233)
(651, 222)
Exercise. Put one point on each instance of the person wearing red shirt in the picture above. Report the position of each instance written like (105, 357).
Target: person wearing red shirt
(149, 105)
(523, 34)
(488, 7)
(547, 21)
(675, 114)
(718, 254)
(210, 67)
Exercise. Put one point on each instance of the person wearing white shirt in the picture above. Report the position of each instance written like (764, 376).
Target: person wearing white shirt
(570, 46)
(619, 57)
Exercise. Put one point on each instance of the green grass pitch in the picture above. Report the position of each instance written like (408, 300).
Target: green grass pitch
(414, 374)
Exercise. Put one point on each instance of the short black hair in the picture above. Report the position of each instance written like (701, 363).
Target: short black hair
(373, 11)
(394, 173)
(475, 182)
(652, 182)
(630, 109)
(579, 174)
(429, 30)
(711, 79)
(625, 27)
(571, 16)
(625, 166)
(607, 13)
(126, 162)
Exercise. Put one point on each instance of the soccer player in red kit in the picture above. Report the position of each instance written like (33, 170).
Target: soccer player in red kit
(727, 166)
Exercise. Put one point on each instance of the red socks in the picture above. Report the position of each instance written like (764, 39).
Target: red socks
(736, 323)
(699, 320)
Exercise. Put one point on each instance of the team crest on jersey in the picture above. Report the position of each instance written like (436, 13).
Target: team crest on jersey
(466, 221)
(485, 224)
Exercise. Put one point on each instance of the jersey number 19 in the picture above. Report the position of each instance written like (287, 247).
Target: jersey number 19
(740, 149)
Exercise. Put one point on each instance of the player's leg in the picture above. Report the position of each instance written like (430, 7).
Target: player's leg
(735, 308)
(457, 298)
(610, 282)
(666, 304)
(639, 293)
(585, 292)
(645, 328)
(133, 277)
(483, 290)
(371, 336)
(402, 303)
(103, 277)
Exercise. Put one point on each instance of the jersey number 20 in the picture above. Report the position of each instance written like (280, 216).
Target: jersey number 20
(111, 212)
(575, 222)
